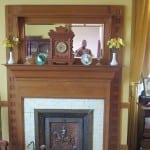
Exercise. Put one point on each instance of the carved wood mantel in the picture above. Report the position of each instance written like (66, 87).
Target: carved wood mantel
(64, 81)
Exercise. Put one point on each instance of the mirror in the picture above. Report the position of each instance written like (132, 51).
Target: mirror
(38, 39)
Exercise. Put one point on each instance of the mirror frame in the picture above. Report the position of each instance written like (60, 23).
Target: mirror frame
(18, 15)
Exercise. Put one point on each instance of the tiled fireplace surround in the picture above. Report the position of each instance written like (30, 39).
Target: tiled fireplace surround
(97, 105)
(93, 87)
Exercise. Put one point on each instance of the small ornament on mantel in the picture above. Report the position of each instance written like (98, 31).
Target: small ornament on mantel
(99, 53)
(114, 45)
(11, 58)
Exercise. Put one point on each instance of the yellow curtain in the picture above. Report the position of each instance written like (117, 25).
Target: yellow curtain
(140, 62)
(140, 37)
(146, 64)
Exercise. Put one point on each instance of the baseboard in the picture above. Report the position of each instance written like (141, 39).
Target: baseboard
(123, 147)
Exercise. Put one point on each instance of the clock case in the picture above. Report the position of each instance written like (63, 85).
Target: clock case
(65, 35)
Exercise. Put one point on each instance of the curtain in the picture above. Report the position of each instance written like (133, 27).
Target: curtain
(146, 64)
(140, 38)
(140, 63)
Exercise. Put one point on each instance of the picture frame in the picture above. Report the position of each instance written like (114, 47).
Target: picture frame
(146, 83)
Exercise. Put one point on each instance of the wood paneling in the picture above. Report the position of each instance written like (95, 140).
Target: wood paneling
(64, 81)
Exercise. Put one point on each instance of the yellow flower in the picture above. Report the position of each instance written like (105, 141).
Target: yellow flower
(115, 43)
(10, 42)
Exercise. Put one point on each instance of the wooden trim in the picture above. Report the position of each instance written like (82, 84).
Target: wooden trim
(123, 147)
(3, 103)
(125, 105)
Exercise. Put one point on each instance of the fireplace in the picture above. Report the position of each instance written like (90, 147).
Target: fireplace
(61, 129)
(64, 87)
(81, 120)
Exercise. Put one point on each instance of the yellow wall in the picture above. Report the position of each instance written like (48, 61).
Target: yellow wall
(126, 53)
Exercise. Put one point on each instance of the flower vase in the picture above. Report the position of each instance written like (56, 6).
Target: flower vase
(11, 60)
(114, 60)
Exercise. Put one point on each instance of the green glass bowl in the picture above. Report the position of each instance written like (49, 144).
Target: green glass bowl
(40, 59)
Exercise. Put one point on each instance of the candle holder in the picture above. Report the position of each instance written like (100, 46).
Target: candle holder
(99, 59)
(99, 53)
(27, 60)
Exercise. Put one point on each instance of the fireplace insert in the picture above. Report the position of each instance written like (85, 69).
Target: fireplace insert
(63, 129)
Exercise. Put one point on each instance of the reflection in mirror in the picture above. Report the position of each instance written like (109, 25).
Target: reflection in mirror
(89, 32)
(38, 39)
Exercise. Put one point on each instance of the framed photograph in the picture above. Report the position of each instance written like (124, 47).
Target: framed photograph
(146, 82)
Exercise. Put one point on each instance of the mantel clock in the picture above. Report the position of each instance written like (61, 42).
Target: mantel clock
(61, 44)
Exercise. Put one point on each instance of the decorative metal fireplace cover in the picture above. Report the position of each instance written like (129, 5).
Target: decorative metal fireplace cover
(63, 129)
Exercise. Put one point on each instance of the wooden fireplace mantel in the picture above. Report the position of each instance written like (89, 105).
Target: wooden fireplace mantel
(64, 81)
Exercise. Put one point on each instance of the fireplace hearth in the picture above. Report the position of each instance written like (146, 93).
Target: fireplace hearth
(63, 129)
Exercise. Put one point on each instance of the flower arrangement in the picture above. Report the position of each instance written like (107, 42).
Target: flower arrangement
(10, 42)
(115, 43)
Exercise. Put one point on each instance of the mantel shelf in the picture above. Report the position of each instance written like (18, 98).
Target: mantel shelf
(62, 67)
(64, 71)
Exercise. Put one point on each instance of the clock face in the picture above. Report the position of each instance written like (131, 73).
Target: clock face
(61, 47)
